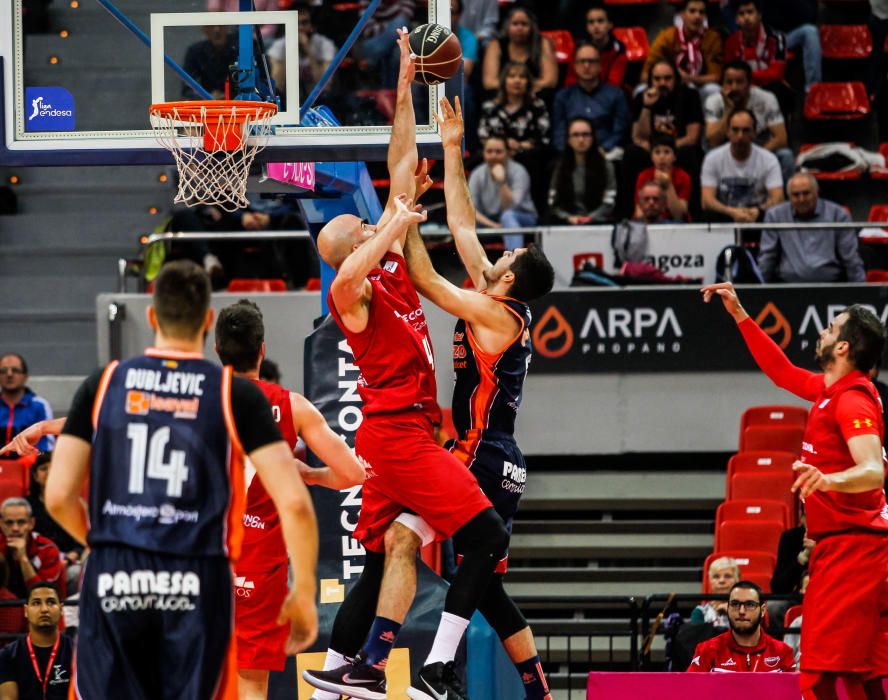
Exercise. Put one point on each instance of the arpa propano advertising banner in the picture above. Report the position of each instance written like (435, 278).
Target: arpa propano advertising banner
(331, 384)
(665, 329)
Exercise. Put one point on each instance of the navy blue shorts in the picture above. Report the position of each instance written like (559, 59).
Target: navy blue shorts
(154, 627)
(501, 472)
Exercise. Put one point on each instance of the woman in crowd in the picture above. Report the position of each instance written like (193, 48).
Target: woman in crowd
(584, 186)
(520, 41)
(723, 573)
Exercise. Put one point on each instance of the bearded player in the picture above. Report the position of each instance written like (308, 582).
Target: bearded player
(261, 571)
(841, 476)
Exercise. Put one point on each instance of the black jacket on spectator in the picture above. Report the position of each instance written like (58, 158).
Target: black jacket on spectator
(16, 666)
(788, 571)
(671, 115)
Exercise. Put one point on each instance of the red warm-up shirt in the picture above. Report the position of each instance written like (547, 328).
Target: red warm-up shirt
(263, 545)
(849, 407)
(722, 654)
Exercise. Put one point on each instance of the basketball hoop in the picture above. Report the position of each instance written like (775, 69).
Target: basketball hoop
(214, 144)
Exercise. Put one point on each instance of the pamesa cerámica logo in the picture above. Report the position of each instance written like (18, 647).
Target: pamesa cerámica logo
(49, 109)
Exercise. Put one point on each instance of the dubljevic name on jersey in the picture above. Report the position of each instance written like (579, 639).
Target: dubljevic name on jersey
(148, 590)
(187, 383)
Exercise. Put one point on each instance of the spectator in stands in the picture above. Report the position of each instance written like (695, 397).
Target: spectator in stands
(650, 204)
(584, 186)
(31, 556)
(11, 621)
(20, 406)
(740, 180)
(763, 48)
(800, 255)
(599, 33)
(738, 92)
(269, 371)
(500, 189)
(378, 48)
(71, 549)
(316, 53)
(675, 182)
(745, 647)
(878, 25)
(467, 39)
(208, 61)
(520, 41)
(793, 553)
(482, 18)
(39, 667)
(268, 30)
(723, 574)
(602, 104)
(797, 19)
(694, 48)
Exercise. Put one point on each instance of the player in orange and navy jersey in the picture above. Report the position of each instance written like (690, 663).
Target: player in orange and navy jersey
(162, 438)
(261, 571)
(841, 476)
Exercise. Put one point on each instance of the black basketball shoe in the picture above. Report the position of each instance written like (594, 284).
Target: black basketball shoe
(437, 681)
(354, 680)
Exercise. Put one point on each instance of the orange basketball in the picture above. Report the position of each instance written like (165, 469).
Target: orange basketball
(438, 53)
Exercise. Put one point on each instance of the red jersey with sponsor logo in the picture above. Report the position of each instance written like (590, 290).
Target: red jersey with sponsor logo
(263, 545)
(722, 654)
(850, 407)
(394, 352)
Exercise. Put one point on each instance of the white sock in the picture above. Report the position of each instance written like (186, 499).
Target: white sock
(334, 660)
(450, 632)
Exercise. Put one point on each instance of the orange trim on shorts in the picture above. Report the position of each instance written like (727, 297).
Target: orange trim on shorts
(227, 686)
(100, 394)
(237, 500)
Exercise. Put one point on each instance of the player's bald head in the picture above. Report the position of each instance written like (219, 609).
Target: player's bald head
(337, 239)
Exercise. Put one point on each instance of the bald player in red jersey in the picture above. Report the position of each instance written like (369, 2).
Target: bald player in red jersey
(841, 477)
(261, 572)
(377, 307)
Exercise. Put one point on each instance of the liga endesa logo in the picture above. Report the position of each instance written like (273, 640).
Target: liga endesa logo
(553, 335)
(778, 327)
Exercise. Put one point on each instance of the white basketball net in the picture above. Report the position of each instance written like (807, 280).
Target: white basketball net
(208, 173)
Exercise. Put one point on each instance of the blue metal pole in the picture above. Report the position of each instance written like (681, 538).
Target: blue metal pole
(246, 70)
(337, 59)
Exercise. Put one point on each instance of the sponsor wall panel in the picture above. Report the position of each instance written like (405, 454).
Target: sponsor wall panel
(688, 250)
(664, 329)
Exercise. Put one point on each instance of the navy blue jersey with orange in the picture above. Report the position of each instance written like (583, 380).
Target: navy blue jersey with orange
(488, 388)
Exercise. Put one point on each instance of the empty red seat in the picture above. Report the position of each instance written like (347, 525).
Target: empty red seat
(791, 615)
(13, 479)
(878, 212)
(760, 577)
(837, 101)
(563, 42)
(635, 39)
(846, 41)
(752, 510)
(756, 461)
(877, 276)
(763, 535)
(749, 561)
(837, 175)
(250, 285)
(785, 438)
(313, 284)
(773, 415)
(764, 485)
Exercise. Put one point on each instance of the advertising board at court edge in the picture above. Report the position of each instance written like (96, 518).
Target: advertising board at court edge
(663, 329)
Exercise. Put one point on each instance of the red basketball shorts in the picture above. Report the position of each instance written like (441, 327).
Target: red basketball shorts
(258, 597)
(410, 471)
(845, 613)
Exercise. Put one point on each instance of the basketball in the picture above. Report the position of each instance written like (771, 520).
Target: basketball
(438, 53)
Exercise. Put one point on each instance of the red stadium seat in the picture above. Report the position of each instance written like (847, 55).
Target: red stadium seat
(748, 560)
(840, 175)
(791, 615)
(878, 212)
(756, 461)
(828, 101)
(785, 438)
(846, 41)
(877, 173)
(313, 284)
(635, 40)
(752, 510)
(763, 535)
(250, 285)
(877, 276)
(14, 477)
(563, 42)
(770, 485)
(773, 415)
(759, 577)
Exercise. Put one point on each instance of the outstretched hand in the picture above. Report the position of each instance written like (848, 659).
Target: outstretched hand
(408, 212)
(450, 123)
(729, 298)
(407, 67)
(809, 479)
(25, 442)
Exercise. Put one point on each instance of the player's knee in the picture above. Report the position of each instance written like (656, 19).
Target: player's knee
(485, 533)
(401, 541)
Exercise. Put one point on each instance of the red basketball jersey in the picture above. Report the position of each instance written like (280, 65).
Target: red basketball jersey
(263, 546)
(849, 407)
(394, 352)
